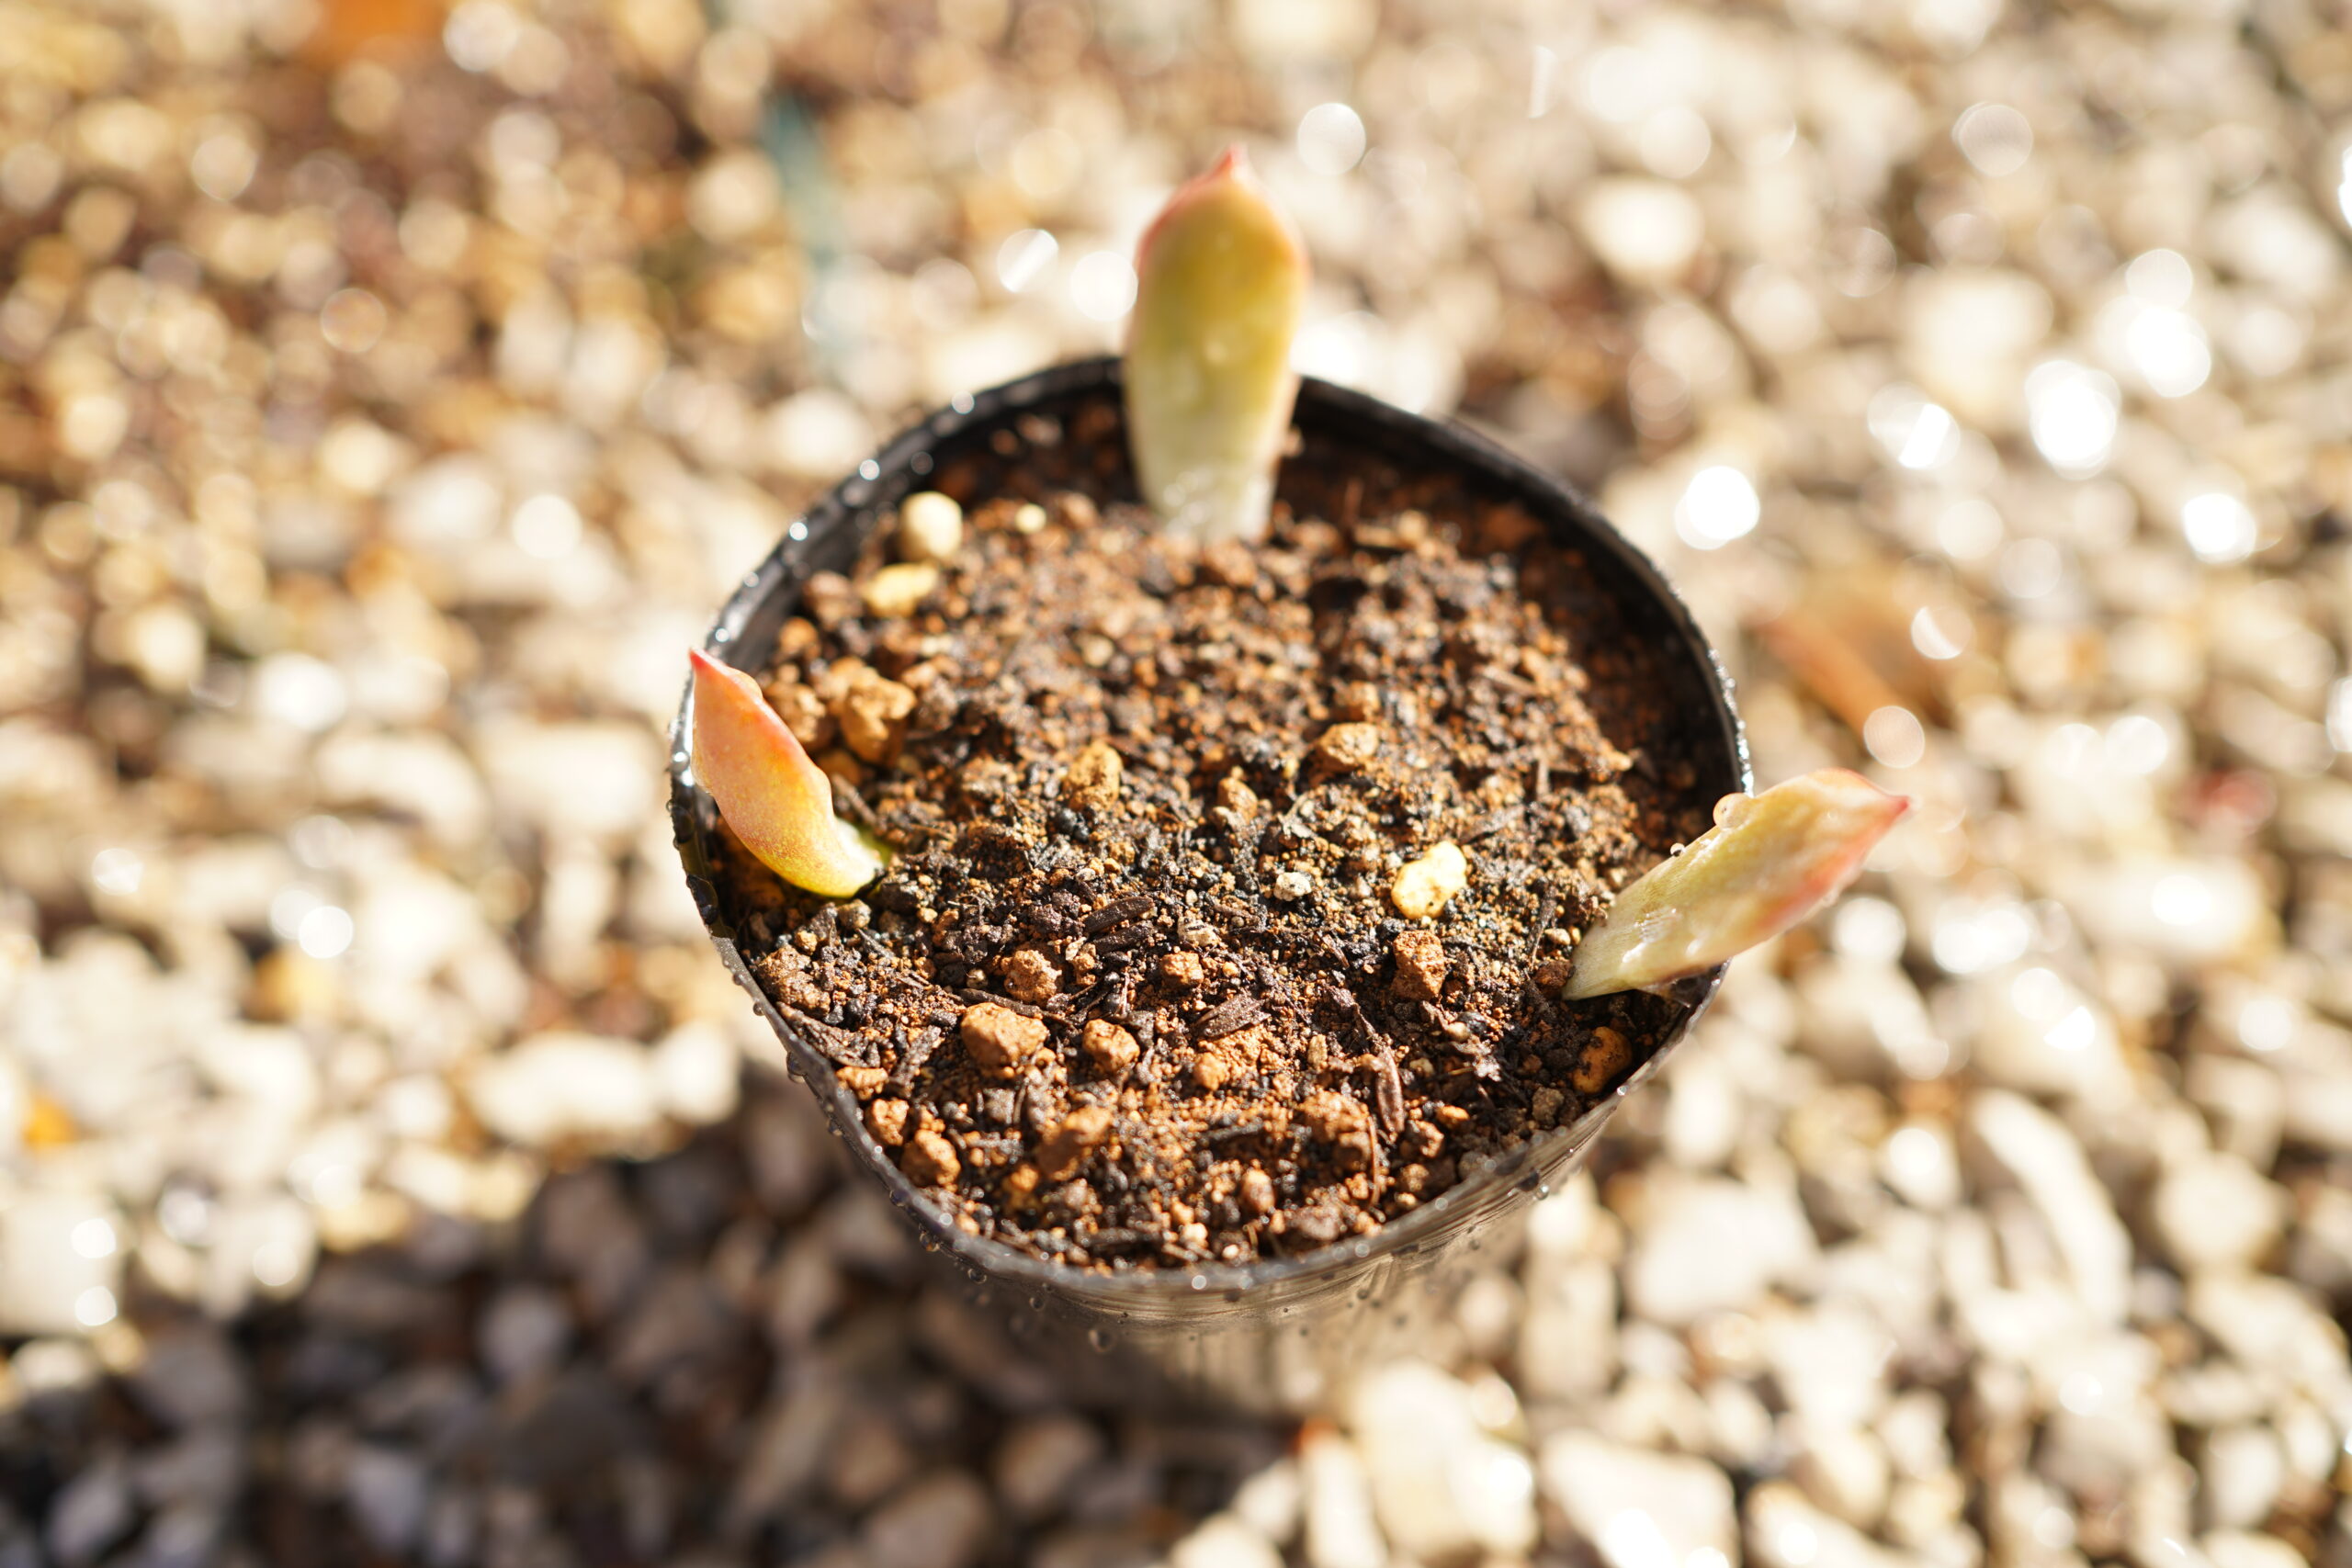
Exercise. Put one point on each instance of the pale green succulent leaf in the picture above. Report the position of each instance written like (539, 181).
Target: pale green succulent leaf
(779, 802)
(1221, 282)
(1770, 860)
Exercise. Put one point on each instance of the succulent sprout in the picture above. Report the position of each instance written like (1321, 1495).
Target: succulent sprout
(1220, 279)
(1770, 860)
(777, 800)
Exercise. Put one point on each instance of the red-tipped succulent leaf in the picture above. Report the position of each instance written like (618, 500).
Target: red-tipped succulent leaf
(777, 800)
(1770, 860)
(1220, 281)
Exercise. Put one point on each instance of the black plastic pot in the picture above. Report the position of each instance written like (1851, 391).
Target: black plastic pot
(1276, 1335)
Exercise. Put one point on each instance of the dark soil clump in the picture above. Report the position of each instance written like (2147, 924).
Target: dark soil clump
(1137, 990)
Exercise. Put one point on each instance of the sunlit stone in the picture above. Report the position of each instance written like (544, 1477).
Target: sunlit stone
(352, 321)
(1330, 138)
(1543, 81)
(479, 34)
(2031, 569)
(324, 932)
(2265, 340)
(2071, 412)
(2163, 279)
(943, 293)
(1046, 164)
(93, 1237)
(1969, 529)
(2137, 744)
(117, 871)
(1675, 143)
(2168, 350)
(732, 196)
(2267, 1021)
(1347, 349)
(1894, 736)
(363, 457)
(1022, 259)
(1103, 286)
(2219, 528)
(1622, 84)
(817, 432)
(1643, 229)
(1941, 634)
(546, 527)
(2180, 899)
(1918, 433)
(1972, 936)
(1968, 336)
(301, 691)
(1953, 27)
(1719, 505)
(1994, 138)
(223, 165)
(1868, 929)
(1303, 32)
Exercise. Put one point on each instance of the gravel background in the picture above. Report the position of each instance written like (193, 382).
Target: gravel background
(386, 398)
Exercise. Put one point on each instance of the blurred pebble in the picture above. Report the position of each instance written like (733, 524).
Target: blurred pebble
(931, 527)
(939, 1522)
(1632, 1508)
(90, 1513)
(1339, 1529)
(1038, 1460)
(1708, 1245)
(1223, 1541)
(556, 1086)
(1443, 1488)
(378, 1165)
(2216, 1212)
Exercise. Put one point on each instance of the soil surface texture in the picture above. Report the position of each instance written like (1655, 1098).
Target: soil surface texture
(1230, 883)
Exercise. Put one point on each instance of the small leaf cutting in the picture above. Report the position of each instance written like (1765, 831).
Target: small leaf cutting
(1221, 282)
(775, 797)
(1770, 860)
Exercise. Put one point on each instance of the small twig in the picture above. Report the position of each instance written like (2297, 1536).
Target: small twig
(1230, 1131)
(1496, 821)
(1535, 994)
(912, 1057)
(839, 1045)
(1245, 919)
(1076, 1006)
(1291, 828)
(1026, 1010)
(1548, 906)
(1116, 913)
(1230, 1017)
(845, 793)
(1387, 1088)
(1388, 1085)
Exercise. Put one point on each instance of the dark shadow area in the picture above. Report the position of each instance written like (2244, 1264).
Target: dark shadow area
(726, 1355)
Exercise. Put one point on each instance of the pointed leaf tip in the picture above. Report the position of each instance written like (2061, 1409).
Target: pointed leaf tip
(1220, 284)
(1770, 860)
(777, 800)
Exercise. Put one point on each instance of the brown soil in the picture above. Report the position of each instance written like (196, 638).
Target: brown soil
(1136, 990)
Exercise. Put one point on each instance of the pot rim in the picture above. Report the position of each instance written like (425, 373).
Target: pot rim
(899, 467)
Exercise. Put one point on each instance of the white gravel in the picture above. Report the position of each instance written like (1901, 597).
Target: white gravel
(388, 1171)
